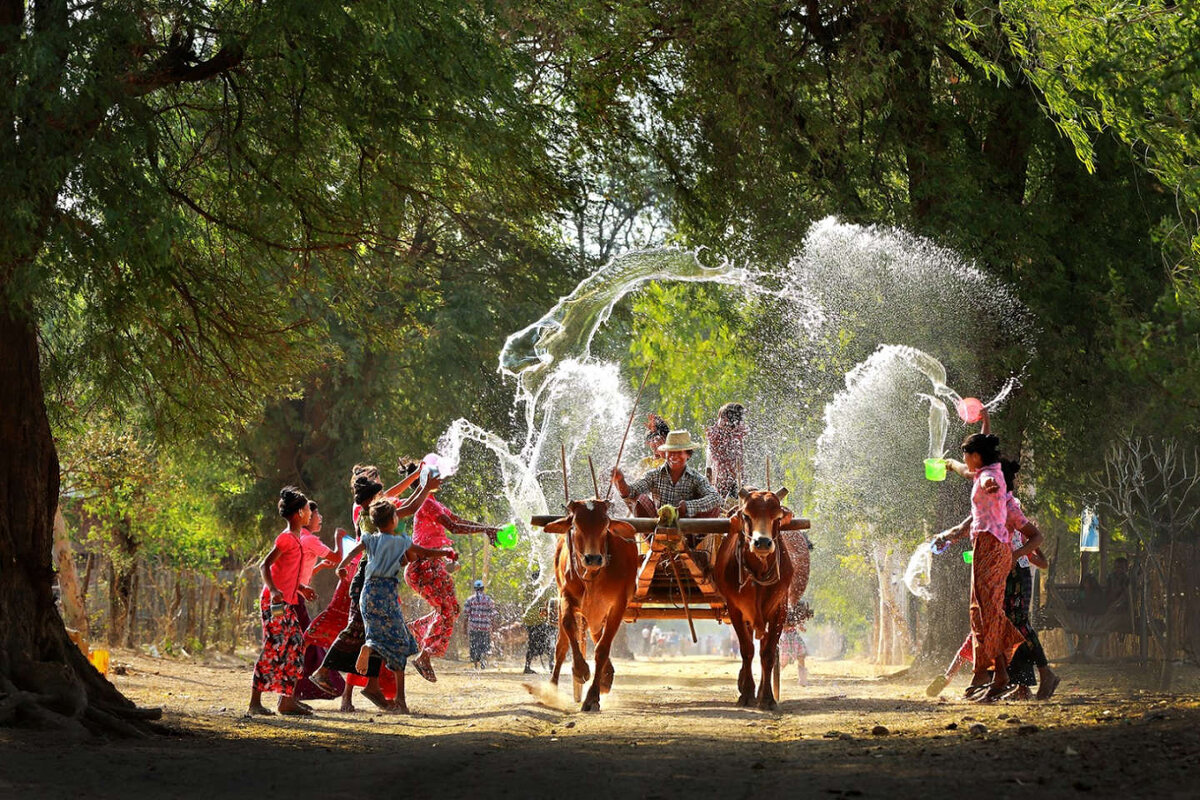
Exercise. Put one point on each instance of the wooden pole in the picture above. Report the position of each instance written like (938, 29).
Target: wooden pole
(595, 485)
(632, 412)
(768, 473)
(683, 599)
(566, 489)
(685, 525)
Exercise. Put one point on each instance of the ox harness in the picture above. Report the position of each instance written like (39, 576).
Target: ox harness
(745, 574)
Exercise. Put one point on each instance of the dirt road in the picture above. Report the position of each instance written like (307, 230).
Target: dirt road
(669, 729)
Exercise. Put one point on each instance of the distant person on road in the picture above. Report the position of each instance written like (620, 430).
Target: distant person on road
(541, 622)
(481, 616)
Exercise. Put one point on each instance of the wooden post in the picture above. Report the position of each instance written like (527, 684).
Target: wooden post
(562, 450)
(487, 562)
(1103, 557)
(595, 485)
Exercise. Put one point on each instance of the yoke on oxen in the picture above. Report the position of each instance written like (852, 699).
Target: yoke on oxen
(675, 573)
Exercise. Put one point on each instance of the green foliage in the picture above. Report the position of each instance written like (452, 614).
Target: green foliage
(132, 501)
(691, 335)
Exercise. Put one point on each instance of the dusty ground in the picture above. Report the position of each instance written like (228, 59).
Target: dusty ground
(670, 728)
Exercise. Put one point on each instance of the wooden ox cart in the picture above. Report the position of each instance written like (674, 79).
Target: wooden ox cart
(675, 580)
(693, 569)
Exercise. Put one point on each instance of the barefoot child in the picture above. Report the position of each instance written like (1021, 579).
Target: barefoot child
(281, 661)
(344, 649)
(386, 634)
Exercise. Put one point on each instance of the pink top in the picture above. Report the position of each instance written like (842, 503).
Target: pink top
(427, 530)
(314, 550)
(287, 567)
(989, 511)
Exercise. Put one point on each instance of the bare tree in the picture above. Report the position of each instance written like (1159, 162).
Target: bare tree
(1153, 490)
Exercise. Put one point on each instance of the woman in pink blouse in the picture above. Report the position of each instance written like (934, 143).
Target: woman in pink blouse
(994, 638)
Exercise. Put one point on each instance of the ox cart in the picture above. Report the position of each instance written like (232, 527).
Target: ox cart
(675, 575)
(675, 580)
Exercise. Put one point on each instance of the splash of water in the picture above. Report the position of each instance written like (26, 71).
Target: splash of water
(935, 371)
(851, 287)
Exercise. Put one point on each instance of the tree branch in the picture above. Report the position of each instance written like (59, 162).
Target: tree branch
(177, 66)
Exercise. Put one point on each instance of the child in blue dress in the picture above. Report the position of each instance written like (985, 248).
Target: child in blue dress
(386, 633)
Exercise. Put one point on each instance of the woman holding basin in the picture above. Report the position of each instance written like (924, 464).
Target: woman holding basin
(430, 577)
(994, 638)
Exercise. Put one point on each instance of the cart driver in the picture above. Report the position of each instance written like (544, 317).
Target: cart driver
(673, 484)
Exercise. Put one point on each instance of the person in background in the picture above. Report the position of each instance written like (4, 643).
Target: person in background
(726, 449)
(481, 616)
(1116, 586)
(792, 648)
(656, 434)
(540, 620)
(281, 661)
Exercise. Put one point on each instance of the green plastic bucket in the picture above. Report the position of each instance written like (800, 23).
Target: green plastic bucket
(935, 469)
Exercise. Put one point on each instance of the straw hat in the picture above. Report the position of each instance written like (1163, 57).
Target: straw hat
(678, 440)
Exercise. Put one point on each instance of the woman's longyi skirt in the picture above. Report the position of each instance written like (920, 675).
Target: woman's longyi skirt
(344, 650)
(992, 633)
(386, 633)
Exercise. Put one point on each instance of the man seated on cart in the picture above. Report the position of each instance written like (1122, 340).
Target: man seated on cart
(673, 484)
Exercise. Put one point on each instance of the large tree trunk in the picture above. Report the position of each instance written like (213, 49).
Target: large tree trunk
(44, 679)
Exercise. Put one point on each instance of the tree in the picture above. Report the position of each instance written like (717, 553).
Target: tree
(1153, 490)
(191, 188)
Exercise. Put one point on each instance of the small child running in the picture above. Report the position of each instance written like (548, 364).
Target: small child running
(386, 633)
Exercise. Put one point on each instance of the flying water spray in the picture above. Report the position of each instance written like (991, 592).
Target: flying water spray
(848, 284)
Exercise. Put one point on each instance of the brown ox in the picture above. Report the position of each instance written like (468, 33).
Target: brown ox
(754, 574)
(596, 568)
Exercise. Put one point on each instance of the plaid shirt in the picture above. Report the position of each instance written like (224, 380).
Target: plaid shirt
(480, 610)
(693, 488)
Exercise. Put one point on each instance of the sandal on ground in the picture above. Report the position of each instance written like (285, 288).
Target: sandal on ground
(993, 694)
(425, 670)
(976, 688)
(1046, 690)
(1018, 692)
(298, 711)
(936, 686)
(323, 684)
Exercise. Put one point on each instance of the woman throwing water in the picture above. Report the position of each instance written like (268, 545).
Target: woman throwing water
(994, 638)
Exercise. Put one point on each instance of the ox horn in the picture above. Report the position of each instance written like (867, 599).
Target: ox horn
(743, 493)
(781, 494)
